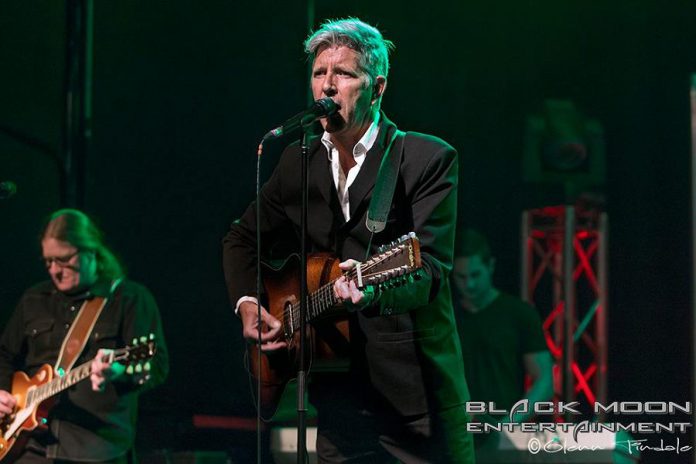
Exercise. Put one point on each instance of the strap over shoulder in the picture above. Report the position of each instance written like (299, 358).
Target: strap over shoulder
(81, 329)
(385, 184)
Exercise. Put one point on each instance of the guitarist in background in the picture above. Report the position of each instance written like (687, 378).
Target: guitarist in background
(95, 419)
(403, 397)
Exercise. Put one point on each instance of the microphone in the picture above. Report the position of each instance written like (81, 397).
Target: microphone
(318, 109)
(7, 189)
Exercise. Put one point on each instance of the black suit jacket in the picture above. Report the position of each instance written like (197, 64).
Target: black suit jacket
(405, 350)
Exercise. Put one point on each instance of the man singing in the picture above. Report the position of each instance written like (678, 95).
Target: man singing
(403, 397)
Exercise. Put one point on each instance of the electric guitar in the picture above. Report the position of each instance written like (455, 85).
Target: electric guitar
(34, 394)
(328, 336)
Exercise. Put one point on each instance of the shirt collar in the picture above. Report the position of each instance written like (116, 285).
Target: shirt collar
(364, 144)
(100, 288)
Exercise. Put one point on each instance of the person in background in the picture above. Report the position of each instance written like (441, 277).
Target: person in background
(93, 421)
(501, 336)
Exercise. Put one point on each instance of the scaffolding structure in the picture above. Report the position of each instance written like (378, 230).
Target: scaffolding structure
(564, 274)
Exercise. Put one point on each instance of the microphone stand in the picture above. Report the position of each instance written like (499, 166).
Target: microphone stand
(302, 365)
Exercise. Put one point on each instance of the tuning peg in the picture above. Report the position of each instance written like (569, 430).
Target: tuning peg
(152, 336)
(143, 379)
(129, 369)
(135, 341)
(147, 366)
(138, 368)
(143, 339)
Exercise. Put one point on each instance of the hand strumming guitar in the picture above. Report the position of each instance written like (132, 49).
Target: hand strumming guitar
(7, 403)
(271, 328)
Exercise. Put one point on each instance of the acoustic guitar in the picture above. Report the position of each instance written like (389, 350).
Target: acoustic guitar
(328, 336)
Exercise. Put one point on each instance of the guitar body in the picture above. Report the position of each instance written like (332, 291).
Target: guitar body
(328, 338)
(36, 395)
(21, 383)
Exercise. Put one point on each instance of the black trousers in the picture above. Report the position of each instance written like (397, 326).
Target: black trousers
(350, 433)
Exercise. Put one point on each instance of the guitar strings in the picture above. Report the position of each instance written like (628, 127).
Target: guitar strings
(324, 294)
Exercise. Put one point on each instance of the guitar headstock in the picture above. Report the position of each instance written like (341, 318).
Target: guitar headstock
(137, 355)
(393, 265)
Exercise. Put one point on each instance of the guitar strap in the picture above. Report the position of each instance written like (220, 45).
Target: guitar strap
(385, 184)
(76, 338)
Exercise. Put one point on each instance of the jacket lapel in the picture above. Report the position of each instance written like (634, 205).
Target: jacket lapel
(319, 171)
(365, 181)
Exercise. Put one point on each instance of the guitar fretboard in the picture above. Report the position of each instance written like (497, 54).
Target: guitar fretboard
(375, 270)
(59, 384)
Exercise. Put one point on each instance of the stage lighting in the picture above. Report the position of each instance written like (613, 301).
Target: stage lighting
(564, 149)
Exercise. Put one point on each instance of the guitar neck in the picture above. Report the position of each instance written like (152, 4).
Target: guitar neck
(59, 384)
(323, 301)
(391, 266)
(320, 303)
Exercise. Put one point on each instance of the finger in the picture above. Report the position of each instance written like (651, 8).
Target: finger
(251, 333)
(273, 345)
(7, 399)
(101, 360)
(99, 376)
(97, 365)
(96, 378)
(250, 318)
(356, 296)
(271, 321)
(98, 385)
(6, 407)
(341, 289)
(101, 371)
(348, 264)
(336, 288)
(266, 337)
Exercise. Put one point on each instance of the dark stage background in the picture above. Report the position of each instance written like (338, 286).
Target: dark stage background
(183, 91)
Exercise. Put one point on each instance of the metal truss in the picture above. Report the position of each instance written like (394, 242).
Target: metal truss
(564, 275)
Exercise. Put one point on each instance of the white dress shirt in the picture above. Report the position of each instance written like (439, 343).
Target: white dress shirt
(342, 180)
